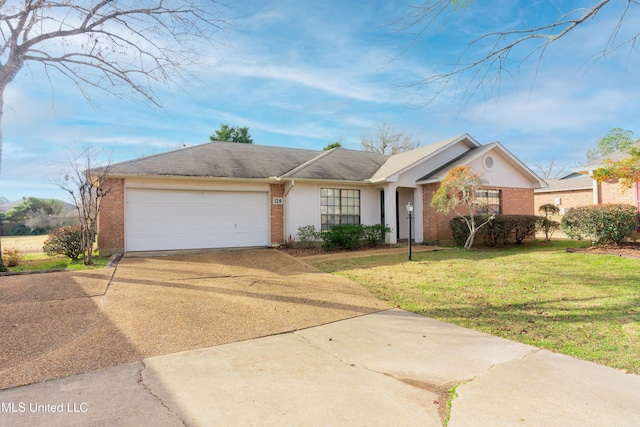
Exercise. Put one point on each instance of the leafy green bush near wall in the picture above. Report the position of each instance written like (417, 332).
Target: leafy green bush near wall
(610, 223)
(499, 231)
(352, 236)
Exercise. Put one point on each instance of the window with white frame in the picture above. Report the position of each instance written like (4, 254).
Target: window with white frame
(339, 206)
(490, 201)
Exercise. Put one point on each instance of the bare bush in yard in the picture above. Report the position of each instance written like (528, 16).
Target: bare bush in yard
(65, 241)
(12, 257)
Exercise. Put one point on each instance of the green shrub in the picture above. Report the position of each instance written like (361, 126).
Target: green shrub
(373, 235)
(611, 223)
(11, 257)
(524, 227)
(548, 210)
(501, 230)
(21, 230)
(65, 241)
(307, 235)
(39, 231)
(460, 230)
(347, 236)
(548, 226)
(498, 231)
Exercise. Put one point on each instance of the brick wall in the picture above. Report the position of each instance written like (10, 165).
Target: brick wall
(111, 219)
(277, 215)
(515, 201)
(568, 199)
(612, 192)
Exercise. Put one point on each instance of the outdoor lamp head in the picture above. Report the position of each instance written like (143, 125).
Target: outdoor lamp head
(409, 208)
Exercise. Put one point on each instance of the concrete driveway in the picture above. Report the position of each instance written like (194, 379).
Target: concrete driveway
(60, 324)
(374, 367)
(381, 369)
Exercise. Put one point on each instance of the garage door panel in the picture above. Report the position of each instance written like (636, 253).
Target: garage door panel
(173, 219)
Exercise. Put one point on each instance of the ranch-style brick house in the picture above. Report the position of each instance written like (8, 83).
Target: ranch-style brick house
(229, 195)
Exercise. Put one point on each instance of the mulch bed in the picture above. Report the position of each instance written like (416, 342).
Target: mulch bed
(625, 249)
(317, 250)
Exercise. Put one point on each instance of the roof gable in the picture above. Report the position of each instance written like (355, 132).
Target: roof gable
(475, 155)
(402, 161)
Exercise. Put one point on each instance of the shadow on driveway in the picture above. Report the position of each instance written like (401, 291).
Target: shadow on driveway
(60, 324)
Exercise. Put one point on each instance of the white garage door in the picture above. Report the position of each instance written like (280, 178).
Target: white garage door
(177, 219)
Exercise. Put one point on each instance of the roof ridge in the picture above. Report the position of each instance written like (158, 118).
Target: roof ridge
(308, 162)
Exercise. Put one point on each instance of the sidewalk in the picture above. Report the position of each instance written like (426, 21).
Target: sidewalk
(386, 368)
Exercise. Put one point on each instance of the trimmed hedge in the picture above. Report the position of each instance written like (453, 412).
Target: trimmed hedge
(610, 223)
(501, 230)
(351, 236)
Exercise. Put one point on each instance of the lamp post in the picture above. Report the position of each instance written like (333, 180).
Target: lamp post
(409, 211)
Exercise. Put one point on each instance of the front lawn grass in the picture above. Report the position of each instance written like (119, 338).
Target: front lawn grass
(582, 305)
(42, 261)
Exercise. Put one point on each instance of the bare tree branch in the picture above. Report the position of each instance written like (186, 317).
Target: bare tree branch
(485, 67)
(123, 47)
(86, 183)
(388, 141)
(551, 169)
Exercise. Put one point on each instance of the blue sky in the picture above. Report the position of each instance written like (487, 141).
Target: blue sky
(304, 74)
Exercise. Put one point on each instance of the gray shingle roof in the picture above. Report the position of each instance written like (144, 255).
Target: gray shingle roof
(218, 160)
(248, 161)
(571, 182)
(233, 160)
(340, 164)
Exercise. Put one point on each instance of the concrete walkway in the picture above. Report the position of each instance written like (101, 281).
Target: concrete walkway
(386, 368)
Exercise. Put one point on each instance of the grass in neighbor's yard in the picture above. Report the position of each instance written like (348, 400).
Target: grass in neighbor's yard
(32, 257)
(42, 261)
(583, 305)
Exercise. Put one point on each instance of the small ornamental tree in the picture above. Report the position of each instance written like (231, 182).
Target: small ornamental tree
(458, 193)
(87, 185)
(626, 170)
(545, 223)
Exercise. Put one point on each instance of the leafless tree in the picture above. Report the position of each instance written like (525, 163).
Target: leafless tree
(487, 57)
(87, 184)
(388, 141)
(120, 46)
(551, 169)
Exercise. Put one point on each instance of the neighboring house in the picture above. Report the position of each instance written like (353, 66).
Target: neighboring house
(567, 192)
(580, 189)
(221, 195)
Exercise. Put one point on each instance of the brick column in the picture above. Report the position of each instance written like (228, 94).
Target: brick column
(111, 219)
(277, 215)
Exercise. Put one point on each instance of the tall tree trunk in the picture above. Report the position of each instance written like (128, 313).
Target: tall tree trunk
(3, 268)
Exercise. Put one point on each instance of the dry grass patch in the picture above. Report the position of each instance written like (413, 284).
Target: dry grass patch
(25, 244)
(583, 305)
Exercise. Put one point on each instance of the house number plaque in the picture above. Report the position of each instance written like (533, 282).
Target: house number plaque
(278, 201)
